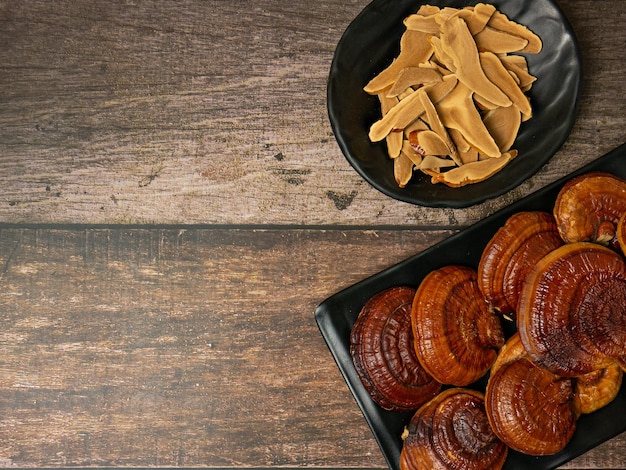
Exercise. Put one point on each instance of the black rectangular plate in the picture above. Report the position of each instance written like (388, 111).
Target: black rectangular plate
(336, 315)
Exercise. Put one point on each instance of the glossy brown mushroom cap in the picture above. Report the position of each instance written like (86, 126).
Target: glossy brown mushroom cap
(452, 432)
(572, 312)
(457, 336)
(381, 345)
(589, 207)
(511, 253)
(529, 408)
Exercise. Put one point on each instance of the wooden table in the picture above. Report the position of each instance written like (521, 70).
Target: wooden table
(173, 208)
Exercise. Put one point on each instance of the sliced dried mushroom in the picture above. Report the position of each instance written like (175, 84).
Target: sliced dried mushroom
(518, 66)
(589, 207)
(414, 49)
(458, 43)
(571, 314)
(501, 22)
(414, 77)
(452, 432)
(503, 124)
(402, 169)
(474, 172)
(424, 23)
(498, 74)
(499, 42)
(431, 143)
(381, 346)
(408, 110)
(457, 111)
(437, 126)
(466, 70)
(457, 338)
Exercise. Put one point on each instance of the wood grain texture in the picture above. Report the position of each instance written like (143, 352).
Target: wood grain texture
(173, 208)
(126, 347)
(186, 347)
(215, 112)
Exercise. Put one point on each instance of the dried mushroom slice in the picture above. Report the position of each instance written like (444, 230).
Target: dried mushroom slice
(437, 126)
(518, 66)
(457, 111)
(474, 172)
(498, 74)
(458, 43)
(402, 169)
(408, 110)
(589, 207)
(572, 310)
(501, 22)
(511, 253)
(529, 408)
(597, 389)
(414, 49)
(452, 432)
(381, 346)
(414, 77)
(457, 338)
(503, 124)
(499, 42)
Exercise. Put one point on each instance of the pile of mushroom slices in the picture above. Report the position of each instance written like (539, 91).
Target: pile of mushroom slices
(453, 100)
(561, 277)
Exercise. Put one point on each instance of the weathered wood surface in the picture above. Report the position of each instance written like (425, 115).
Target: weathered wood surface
(215, 112)
(173, 208)
(186, 347)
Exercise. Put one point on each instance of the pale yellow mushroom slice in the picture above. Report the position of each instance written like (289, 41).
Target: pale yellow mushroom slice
(520, 69)
(414, 77)
(437, 126)
(499, 42)
(409, 151)
(484, 104)
(394, 143)
(424, 23)
(402, 170)
(457, 111)
(466, 152)
(393, 139)
(440, 55)
(409, 109)
(427, 10)
(414, 49)
(433, 64)
(386, 102)
(503, 124)
(415, 126)
(435, 163)
(482, 13)
(474, 172)
(499, 75)
(431, 143)
(476, 17)
(458, 43)
(500, 21)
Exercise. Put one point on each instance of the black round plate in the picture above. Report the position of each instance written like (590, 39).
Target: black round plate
(372, 41)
